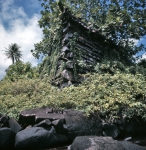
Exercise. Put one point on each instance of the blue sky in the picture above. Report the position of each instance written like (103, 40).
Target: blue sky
(19, 24)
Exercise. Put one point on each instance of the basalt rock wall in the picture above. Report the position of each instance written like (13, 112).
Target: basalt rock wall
(82, 48)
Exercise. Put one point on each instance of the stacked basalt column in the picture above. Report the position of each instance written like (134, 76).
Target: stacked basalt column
(80, 57)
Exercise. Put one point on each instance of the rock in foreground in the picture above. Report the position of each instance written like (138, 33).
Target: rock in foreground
(102, 143)
(33, 138)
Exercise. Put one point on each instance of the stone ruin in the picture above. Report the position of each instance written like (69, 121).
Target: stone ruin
(45, 128)
(82, 48)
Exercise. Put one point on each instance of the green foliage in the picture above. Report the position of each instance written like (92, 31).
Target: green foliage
(20, 70)
(120, 21)
(113, 67)
(113, 94)
(141, 67)
(48, 66)
(13, 52)
(110, 67)
(142, 63)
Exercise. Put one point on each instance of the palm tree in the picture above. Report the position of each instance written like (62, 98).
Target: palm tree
(13, 52)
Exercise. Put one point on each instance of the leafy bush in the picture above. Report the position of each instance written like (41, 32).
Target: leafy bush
(115, 95)
(20, 70)
(107, 66)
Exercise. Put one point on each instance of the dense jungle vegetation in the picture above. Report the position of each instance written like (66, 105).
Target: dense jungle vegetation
(115, 88)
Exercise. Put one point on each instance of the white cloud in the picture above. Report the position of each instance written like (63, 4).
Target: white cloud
(144, 56)
(21, 30)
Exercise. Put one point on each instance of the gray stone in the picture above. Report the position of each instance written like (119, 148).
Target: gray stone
(142, 142)
(110, 130)
(128, 139)
(14, 125)
(68, 75)
(102, 143)
(78, 124)
(57, 140)
(33, 138)
(7, 138)
(27, 117)
(58, 123)
(69, 55)
(4, 121)
(53, 116)
(69, 65)
(64, 49)
(45, 123)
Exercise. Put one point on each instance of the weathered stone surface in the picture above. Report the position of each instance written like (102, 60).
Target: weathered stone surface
(14, 125)
(78, 124)
(141, 142)
(102, 143)
(1, 115)
(63, 130)
(27, 117)
(60, 126)
(7, 138)
(45, 123)
(69, 65)
(64, 49)
(110, 130)
(57, 140)
(4, 121)
(69, 55)
(58, 123)
(51, 116)
(33, 138)
(57, 111)
(67, 75)
(66, 84)
(36, 111)
(128, 139)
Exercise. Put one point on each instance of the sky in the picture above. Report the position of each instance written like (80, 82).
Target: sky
(19, 24)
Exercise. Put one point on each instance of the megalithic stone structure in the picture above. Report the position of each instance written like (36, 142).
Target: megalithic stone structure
(82, 48)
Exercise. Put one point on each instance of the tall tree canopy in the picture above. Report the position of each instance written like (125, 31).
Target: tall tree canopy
(122, 21)
(13, 52)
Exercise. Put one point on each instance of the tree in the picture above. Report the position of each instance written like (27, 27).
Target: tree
(122, 21)
(13, 52)
(20, 70)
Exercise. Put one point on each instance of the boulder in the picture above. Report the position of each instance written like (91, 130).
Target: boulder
(69, 65)
(1, 115)
(60, 126)
(67, 75)
(57, 140)
(50, 116)
(58, 123)
(78, 124)
(14, 125)
(45, 123)
(102, 143)
(33, 138)
(7, 138)
(4, 121)
(69, 55)
(64, 49)
(63, 130)
(141, 142)
(27, 117)
(110, 130)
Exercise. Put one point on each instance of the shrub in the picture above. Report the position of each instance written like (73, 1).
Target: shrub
(20, 70)
(115, 95)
